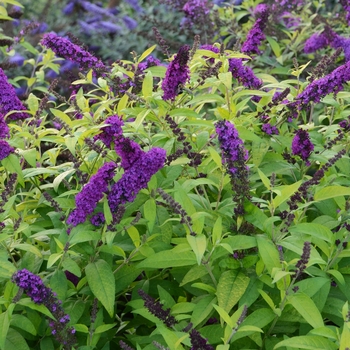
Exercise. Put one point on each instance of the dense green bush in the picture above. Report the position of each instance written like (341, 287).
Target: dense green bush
(199, 201)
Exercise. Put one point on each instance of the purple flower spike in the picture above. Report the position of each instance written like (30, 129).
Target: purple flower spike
(4, 129)
(5, 149)
(256, 34)
(91, 193)
(136, 178)
(129, 151)
(177, 74)
(112, 130)
(8, 99)
(301, 144)
(64, 48)
(243, 74)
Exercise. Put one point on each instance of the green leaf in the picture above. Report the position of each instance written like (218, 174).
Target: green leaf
(217, 231)
(7, 269)
(58, 283)
(170, 337)
(70, 265)
(104, 328)
(61, 115)
(193, 274)
(198, 244)
(147, 85)
(206, 98)
(125, 276)
(4, 327)
(58, 179)
(274, 46)
(22, 322)
(312, 342)
(41, 308)
(226, 79)
(216, 157)
(81, 328)
(268, 253)
(306, 308)
(150, 213)
(146, 53)
(231, 286)
(224, 316)
(53, 258)
(102, 284)
(134, 235)
(264, 179)
(345, 336)
(331, 192)
(284, 193)
(11, 163)
(203, 309)
(315, 230)
(15, 341)
(80, 235)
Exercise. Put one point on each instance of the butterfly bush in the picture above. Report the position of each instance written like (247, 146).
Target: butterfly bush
(177, 74)
(136, 177)
(64, 48)
(9, 101)
(195, 11)
(346, 6)
(91, 194)
(256, 34)
(35, 288)
(111, 130)
(302, 145)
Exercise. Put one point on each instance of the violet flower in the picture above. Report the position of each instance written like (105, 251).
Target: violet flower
(91, 194)
(346, 5)
(66, 49)
(136, 178)
(195, 11)
(4, 129)
(198, 342)
(256, 34)
(111, 130)
(177, 74)
(9, 101)
(34, 287)
(129, 151)
(302, 145)
(5, 149)
(344, 43)
(243, 74)
(316, 42)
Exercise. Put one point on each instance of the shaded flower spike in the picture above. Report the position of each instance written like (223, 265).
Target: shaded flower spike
(256, 34)
(195, 11)
(8, 99)
(302, 145)
(91, 193)
(177, 74)
(156, 309)
(64, 48)
(304, 259)
(128, 150)
(198, 342)
(136, 178)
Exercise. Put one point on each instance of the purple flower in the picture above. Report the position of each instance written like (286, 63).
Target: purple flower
(290, 20)
(129, 151)
(17, 59)
(71, 277)
(4, 129)
(256, 34)
(98, 219)
(66, 49)
(69, 8)
(177, 74)
(91, 193)
(111, 130)
(195, 10)
(331, 83)
(231, 145)
(136, 178)
(243, 74)
(346, 5)
(8, 99)
(5, 149)
(344, 43)
(32, 285)
(198, 342)
(130, 22)
(315, 42)
(269, 129)
(135, 5)
(302, 145)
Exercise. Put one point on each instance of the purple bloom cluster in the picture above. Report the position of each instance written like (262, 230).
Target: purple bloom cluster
(136, 177)
(256, 34)
(317, 42)
(344, 43)
(302, 145)
(269, 129)
(198, 342)
(243, 74)
(231, 145)
(5, 149)
(111, 130)
(331, 83)
(195, 10)
(66, 49)
(129, 151)
(91, 193)
(177, 74)
(8, 99)
(34, 287)
(346, 5)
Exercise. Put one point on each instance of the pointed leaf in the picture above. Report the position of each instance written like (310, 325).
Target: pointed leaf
(312, 342)
(102, 284)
